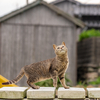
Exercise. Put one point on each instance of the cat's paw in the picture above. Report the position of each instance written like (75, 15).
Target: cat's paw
(36, 87)
(66, 87)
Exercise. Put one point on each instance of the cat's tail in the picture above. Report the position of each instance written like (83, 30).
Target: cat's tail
(21, 74)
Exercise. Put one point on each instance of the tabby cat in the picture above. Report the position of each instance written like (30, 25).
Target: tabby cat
(51, 68)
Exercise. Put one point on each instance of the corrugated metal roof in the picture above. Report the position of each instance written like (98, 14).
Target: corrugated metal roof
(83, 9)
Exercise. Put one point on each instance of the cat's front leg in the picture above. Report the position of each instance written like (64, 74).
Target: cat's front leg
(55, 81)
(62, 80)
(54, 77)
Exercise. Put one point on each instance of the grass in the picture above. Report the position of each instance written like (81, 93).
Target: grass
(94, 83)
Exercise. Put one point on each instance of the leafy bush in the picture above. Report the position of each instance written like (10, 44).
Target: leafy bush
(49, 83)
(89, 33)
(96, 82)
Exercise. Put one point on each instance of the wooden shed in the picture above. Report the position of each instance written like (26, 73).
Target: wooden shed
(27, 36)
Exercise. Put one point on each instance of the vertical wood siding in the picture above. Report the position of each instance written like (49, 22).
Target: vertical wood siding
(26, 44)
(40, 15)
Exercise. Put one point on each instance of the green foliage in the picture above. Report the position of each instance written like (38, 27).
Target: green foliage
(49, 83)
(46, 83)
(89, 33)
(96, 82)
(80, 83)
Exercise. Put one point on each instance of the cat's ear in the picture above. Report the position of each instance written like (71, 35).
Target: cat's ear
(63, 43)
(54, 46)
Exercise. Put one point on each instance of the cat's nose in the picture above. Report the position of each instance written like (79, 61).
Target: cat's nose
(61, 47)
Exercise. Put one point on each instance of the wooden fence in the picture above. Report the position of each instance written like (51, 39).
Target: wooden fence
(88, 59)
(24, 93)
(88, 52)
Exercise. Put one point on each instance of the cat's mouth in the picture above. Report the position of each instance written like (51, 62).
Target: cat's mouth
(62, 51)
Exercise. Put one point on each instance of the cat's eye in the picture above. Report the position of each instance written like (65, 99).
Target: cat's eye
(62, 46)
(58, 48)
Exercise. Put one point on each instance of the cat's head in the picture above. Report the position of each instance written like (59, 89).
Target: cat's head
(60, 49)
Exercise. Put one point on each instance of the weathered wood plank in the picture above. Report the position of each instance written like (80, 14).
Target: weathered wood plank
(13, 92)
(42, 93)
(71, 93)
(43, 15)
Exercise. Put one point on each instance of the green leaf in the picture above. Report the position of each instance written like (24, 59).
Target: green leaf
(88, 34)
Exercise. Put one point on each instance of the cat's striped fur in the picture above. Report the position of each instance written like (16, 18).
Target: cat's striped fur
(51, 68)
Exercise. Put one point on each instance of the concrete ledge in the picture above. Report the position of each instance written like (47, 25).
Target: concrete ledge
(42, 93)
(93, 92)
(13, 92)
(72, 93)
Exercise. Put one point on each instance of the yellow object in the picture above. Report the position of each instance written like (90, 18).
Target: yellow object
(2, 80)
